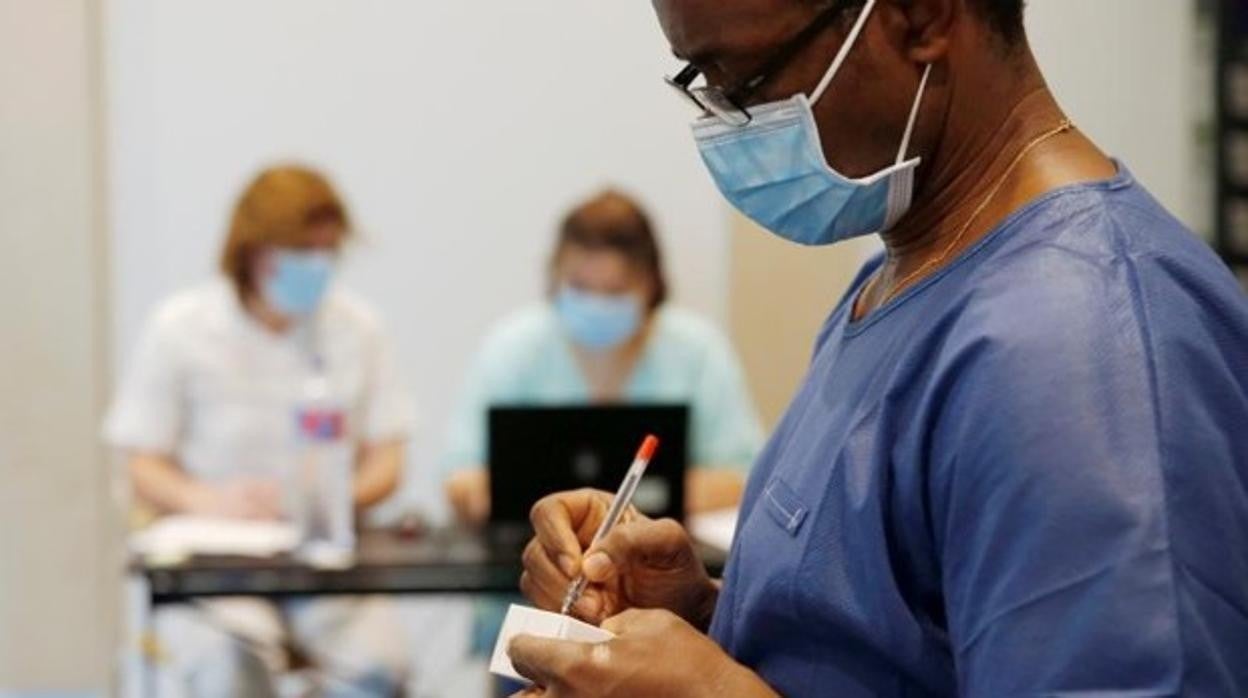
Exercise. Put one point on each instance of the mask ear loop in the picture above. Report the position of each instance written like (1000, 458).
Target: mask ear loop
(914, 116)
(843, 53)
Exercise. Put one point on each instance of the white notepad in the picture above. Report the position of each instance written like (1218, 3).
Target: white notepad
(174, 537)
(522, 620)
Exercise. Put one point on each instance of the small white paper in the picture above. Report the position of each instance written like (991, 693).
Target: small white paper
(522, 620)
(178, 536)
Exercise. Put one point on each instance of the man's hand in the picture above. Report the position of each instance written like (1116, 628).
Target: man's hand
(654, 654)
(642, 563)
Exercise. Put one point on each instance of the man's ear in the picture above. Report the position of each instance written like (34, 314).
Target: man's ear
(930, 24)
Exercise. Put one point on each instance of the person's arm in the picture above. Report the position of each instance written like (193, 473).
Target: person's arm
(468, 492)
(1048, 508)
(709, 488)
(377, 473)
(467, 480)
(388, 420)
(727, 434)
(158, 481)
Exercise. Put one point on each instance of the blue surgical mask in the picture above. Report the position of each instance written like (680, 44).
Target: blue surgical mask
(297, 282)
(598, 322)
(773, 168)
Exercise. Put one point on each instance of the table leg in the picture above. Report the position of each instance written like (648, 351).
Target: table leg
(138, 675)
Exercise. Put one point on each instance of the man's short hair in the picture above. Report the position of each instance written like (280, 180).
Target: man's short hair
(1005, 17)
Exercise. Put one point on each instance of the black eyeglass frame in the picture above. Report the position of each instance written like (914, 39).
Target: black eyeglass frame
(729, 104)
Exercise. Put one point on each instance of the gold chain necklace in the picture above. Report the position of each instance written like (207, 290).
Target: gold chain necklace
(900, 286)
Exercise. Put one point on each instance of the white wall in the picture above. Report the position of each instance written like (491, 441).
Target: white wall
(1123, 70)
(58, 552)
(459, 132)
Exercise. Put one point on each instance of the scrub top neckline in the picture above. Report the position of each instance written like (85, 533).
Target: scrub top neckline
(1121, 179)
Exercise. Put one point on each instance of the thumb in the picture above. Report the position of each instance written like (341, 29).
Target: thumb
(545, 661)
(662, 543)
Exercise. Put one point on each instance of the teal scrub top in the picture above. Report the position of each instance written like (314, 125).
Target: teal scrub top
(527, 360)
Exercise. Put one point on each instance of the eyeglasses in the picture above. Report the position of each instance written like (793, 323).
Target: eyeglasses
(728, 104)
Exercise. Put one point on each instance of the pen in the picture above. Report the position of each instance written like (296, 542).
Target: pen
(623, 497)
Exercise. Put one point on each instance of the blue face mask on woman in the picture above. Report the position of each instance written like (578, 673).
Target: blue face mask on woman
(598, 322)
(298, 281)
(773, 168)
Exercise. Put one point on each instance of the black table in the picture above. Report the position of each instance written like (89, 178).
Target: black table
(450, 561)
(387, 562)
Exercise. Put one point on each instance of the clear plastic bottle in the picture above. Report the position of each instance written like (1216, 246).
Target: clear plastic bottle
(321, 487)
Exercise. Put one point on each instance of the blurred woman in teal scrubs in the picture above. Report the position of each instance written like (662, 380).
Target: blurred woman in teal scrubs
(607, 334)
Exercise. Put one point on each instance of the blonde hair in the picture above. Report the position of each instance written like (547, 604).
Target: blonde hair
(279, 208)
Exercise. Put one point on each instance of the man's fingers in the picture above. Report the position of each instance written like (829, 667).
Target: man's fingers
(546, 586)
(600, 567)
(590, 606)
(543, 582)
(662, 543)
(544, 661)
(535, 594)
(557, 521)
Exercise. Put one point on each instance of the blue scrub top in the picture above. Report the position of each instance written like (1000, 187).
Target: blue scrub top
(1027, 475)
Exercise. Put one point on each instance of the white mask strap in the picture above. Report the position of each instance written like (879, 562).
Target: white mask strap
(914, 116)
(844, 52)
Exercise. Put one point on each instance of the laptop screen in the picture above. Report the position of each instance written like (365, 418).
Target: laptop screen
(536, 451)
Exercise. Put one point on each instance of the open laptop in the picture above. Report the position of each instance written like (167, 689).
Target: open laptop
(536, 451)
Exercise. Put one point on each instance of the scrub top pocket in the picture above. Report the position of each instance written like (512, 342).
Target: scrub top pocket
(784, 506)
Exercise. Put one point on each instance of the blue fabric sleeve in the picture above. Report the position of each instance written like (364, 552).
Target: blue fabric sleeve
(1048, 501)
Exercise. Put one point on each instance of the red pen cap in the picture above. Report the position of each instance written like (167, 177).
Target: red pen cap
(648, 447)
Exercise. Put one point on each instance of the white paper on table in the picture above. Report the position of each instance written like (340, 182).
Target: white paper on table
(715, 528)
(179, 536)
(522, 620)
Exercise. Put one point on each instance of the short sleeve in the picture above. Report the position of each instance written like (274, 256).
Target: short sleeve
(512, 366)
(726, 428)
(1048, 507)
(466, 434)
(389, 413)
(148, 411)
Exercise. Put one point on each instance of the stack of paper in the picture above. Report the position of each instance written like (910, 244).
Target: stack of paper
(522, 620)
(181, 536)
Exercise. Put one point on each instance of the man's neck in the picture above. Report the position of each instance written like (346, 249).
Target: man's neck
(969, 184)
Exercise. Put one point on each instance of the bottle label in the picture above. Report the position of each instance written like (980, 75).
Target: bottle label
(322, 425)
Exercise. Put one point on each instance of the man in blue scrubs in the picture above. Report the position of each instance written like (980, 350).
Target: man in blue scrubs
(1019, 463)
